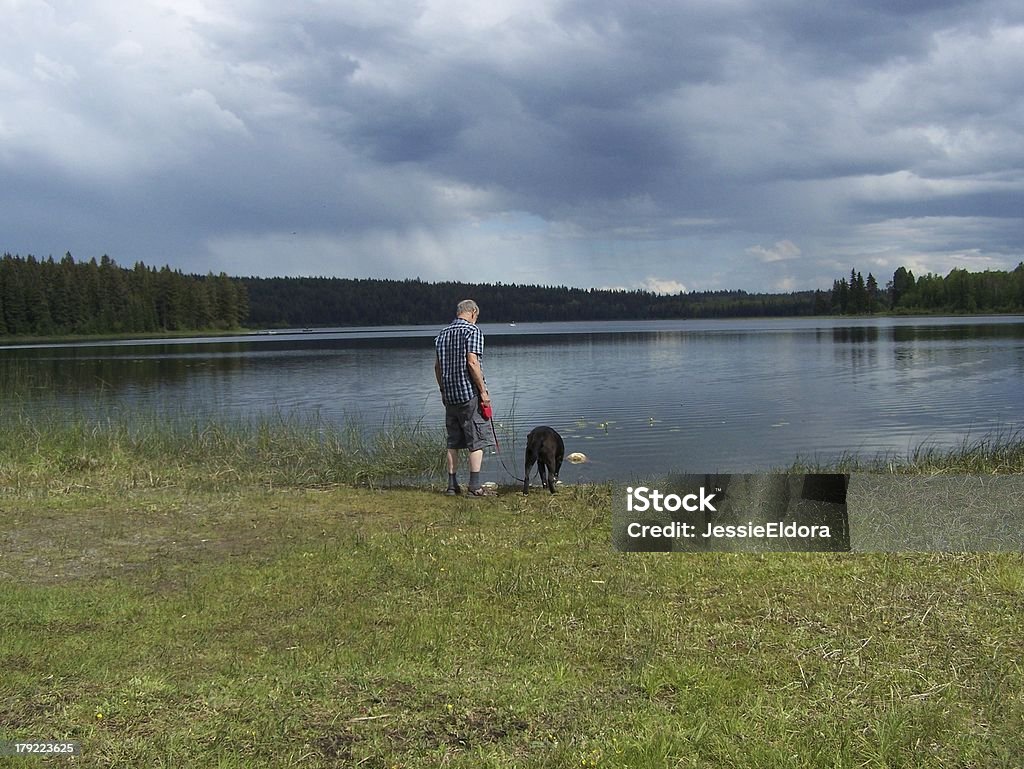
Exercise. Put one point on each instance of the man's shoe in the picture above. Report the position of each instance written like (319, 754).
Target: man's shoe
(483, 491)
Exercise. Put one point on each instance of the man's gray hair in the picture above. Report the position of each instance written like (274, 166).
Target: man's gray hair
(466, 305)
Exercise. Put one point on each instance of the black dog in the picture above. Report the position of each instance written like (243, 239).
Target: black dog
(545, 447)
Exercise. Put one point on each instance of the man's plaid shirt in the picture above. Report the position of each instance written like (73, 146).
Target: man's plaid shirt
(453, 343)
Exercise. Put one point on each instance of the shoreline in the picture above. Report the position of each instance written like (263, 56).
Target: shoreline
(19, 340)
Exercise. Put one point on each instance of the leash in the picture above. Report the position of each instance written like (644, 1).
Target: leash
(497, 450)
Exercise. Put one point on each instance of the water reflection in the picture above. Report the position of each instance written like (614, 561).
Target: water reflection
(637, 398)
(856, 335)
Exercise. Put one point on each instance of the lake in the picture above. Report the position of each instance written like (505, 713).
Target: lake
(638, 398)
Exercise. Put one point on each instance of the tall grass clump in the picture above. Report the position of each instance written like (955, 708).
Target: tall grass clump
(998, 453)
(148, 448)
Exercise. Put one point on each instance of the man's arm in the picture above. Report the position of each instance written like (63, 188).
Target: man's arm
(476, 375)
(438, 376)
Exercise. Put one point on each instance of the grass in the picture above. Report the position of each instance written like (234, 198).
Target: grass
(130, 449)
(995, 454)
(232, 608)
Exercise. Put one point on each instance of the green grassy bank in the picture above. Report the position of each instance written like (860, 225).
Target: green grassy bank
(225, 608)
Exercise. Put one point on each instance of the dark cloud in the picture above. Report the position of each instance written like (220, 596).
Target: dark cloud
(988, 204)
(602, 143)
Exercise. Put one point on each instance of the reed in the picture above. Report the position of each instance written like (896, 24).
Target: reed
(1001, 452)
(131, 448)
(128, 448)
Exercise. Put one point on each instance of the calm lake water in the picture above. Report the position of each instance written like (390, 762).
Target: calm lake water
(638, 398)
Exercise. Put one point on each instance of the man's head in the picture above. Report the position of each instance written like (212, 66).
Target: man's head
(467, 309)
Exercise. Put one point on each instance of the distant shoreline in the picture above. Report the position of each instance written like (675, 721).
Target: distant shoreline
(17, 340)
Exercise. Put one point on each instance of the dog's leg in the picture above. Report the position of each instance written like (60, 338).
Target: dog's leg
(552, 476)
(559, 456)
(530, 459)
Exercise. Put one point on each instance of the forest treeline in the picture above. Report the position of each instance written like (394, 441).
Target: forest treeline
(42, 297)
(45, 297)
(302, 302)
(995, 291)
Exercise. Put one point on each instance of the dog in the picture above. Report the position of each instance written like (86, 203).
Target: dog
(544, 446)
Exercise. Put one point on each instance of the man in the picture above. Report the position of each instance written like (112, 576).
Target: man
(463, 392)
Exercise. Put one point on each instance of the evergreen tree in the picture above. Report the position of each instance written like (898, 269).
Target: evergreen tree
(37, 303)
(840, 296)
(872, 293)
(92, 297)
(15, 310)
(821, 303)
(68, 310)
(113, 297)
(227, 301)
(858, 294)
(902, 283)
(170, 310)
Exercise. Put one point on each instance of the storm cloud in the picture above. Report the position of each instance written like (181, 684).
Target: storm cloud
(704, 145)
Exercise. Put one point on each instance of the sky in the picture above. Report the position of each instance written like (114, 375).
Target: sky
(677, 145)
